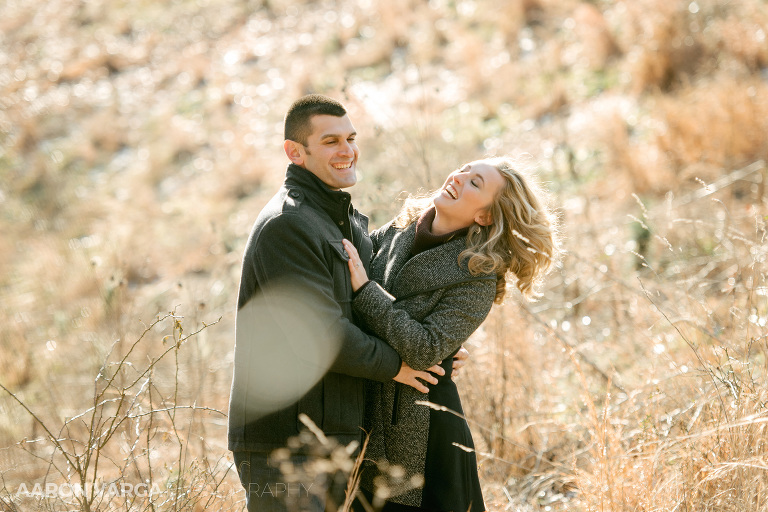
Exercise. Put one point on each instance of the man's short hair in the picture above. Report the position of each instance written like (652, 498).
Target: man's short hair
(298, 126)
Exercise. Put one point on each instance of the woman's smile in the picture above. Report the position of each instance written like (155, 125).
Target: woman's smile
(451, 191)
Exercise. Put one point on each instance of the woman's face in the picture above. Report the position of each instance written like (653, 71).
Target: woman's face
(468, 193)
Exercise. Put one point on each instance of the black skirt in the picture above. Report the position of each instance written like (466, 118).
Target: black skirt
(451, 483)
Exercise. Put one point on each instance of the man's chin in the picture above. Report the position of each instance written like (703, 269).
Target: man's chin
(347, 179)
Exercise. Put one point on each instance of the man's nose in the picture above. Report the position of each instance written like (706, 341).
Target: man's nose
(347, 149)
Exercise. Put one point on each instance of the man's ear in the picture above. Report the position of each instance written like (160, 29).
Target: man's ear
(294, 152)
(484, 218)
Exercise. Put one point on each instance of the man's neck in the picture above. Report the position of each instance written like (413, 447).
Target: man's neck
(319, 179)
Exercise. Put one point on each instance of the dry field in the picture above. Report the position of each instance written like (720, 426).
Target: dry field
(138, 141)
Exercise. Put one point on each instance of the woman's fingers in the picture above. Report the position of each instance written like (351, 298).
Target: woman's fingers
(356, 269)
(462, 355)
(459, 360)
(351, 251)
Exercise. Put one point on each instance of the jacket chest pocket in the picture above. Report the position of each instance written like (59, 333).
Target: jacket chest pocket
(342, 282)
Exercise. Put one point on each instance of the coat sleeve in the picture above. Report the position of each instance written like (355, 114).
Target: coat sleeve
(288, 259)
(459, 312)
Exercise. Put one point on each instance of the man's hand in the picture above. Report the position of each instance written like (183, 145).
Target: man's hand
(410, 377)
(459, 360)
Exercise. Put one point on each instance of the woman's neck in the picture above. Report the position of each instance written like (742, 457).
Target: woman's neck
(442, 225)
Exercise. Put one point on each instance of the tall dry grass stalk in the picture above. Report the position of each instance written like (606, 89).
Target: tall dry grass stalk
(134, 446)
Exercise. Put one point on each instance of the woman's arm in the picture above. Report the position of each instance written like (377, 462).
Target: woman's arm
(459, 312)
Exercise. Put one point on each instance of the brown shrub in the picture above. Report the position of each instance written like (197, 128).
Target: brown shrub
(723, 124)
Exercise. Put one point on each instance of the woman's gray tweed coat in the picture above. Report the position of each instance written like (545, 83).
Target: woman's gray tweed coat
(433, 305)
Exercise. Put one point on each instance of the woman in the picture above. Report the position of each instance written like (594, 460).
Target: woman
(438, 268)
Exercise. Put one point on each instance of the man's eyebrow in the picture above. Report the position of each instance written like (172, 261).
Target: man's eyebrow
(336, 136)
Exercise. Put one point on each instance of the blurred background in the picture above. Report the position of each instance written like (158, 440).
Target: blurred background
(139, 140)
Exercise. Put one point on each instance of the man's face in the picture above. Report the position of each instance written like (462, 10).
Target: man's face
(331, 151)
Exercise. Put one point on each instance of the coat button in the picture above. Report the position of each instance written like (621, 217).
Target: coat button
(294, 193)
(341, 223)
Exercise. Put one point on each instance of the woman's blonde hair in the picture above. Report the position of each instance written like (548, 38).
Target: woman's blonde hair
(522, 238)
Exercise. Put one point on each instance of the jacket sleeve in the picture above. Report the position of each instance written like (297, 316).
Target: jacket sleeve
(288, 259)
(459, 312)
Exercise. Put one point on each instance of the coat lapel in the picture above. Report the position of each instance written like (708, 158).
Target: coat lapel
(430, 270)
(399, 252)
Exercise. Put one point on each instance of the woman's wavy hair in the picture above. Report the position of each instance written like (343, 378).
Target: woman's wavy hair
(522, 240)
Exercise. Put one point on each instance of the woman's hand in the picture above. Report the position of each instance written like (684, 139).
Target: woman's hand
(356, 269)
(459, 360)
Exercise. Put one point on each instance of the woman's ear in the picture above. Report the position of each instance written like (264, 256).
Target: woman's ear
(294, 152)
(484, 218)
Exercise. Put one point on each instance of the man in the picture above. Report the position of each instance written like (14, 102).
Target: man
(297, 350)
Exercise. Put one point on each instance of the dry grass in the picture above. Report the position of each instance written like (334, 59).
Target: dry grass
(139, 140)
(678, 422)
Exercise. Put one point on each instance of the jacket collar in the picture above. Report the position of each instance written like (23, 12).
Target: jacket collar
(425, 239)
(429, 270)
(336, 203)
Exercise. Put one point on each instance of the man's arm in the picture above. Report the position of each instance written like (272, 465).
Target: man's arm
(287, 260)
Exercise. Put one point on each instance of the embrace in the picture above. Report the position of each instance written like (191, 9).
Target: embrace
(372, 321)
